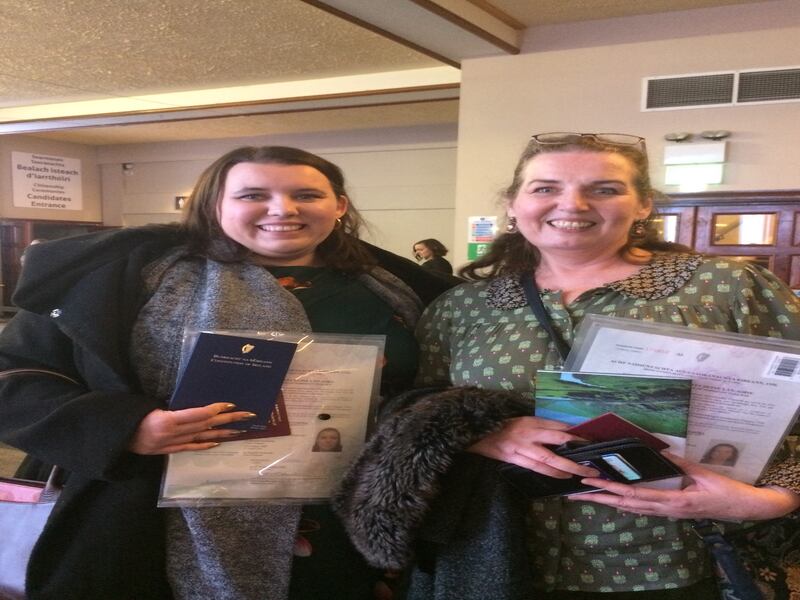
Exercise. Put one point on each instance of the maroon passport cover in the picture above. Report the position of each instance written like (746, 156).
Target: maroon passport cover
(610, 426)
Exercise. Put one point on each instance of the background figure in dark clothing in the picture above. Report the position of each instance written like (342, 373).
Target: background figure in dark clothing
(430, 253)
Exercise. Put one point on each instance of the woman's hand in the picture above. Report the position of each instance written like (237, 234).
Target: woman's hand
(521, 442)
(710, 495)
(168, 431)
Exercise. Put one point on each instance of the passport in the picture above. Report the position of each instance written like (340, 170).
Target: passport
(246, 371)
(609, 427)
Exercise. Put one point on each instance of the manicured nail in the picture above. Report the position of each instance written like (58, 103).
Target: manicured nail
(249, 415)
(232, 433)
(229, 406)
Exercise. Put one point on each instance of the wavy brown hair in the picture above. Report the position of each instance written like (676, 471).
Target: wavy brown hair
(435, 246)
(341, 250)
(512, 254)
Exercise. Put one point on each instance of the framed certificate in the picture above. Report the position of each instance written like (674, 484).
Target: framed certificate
(329, 393)
(745, 389)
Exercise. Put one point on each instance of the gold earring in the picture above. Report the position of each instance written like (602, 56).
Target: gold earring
(511, 226)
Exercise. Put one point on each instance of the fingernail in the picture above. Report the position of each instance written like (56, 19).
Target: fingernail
(249, 415)
(213, 445)
(229, 406)
(232, 433)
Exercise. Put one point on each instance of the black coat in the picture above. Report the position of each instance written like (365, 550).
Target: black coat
(79, 299)
(438, 264)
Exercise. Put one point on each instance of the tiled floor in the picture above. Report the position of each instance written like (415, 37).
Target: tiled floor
(9, 459)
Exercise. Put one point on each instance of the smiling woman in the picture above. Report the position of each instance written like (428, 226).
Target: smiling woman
(260, 219)
(281, 213)
(278, 206)
(578, 208)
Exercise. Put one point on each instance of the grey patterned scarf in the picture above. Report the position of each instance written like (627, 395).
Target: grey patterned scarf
(228, 553)
(236, 553)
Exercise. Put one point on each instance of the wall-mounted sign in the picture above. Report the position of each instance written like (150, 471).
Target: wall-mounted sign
(51, 182)
(480, 235)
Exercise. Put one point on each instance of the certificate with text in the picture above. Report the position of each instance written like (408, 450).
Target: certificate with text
(745, 389)
(330, 393)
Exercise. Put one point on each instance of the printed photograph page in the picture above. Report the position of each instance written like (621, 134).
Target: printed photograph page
(744, 399)
(328, 393)
(659, 405)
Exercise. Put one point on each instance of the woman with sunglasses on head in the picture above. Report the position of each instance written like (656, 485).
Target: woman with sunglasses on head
(578, 209)
(269, 241)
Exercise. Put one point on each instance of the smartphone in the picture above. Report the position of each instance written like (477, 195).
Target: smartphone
(621, 466)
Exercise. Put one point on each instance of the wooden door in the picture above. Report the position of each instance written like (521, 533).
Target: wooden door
(760, 226)
(763, 233)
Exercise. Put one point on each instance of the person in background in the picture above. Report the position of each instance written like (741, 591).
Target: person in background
(98, 339)
(430, 253)
(578, 208)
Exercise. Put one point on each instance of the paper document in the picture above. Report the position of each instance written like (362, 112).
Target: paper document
(329, 393)
(745, 392)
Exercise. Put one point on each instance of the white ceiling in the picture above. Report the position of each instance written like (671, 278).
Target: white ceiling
(97, 68)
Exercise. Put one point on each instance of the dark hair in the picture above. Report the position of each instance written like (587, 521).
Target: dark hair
(511, 253)
(729, 462)
(435, 246)
(337, 448)
(340, 250)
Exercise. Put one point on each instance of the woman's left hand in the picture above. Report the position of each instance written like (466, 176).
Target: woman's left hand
(710, 495)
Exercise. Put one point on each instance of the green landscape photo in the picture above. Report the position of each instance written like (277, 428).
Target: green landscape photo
(657, 404)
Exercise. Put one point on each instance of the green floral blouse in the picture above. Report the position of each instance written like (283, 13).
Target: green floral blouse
(484, 334)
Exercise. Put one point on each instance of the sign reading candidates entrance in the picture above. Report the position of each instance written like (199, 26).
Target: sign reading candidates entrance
(51, 182)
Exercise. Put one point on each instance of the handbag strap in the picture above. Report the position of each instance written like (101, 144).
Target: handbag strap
(727, 560)
(531, 291)
(53, 486)
(32, 371)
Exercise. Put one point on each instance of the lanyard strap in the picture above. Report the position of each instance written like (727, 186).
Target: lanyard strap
(537, 306)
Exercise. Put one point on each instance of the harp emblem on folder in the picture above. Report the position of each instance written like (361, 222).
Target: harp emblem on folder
(247, 348)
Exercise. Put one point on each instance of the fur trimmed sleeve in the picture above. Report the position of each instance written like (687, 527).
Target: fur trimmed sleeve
(386, 494)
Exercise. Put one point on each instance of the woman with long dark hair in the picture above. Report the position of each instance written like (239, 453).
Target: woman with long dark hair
(101, 321)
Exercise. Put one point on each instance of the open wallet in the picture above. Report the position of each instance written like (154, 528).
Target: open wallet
(627, 460)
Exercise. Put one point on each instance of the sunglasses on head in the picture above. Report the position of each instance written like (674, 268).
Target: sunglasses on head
(610, 139)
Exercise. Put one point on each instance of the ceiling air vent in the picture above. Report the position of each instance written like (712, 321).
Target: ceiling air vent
(769, 86)
(690, 90)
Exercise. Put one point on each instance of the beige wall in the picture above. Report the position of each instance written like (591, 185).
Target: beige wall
(402, 180)
(90, 179)
(597, 86)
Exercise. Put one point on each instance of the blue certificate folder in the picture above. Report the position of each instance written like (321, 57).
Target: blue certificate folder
(247, 371)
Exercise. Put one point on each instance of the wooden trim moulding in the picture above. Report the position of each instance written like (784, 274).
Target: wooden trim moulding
(736, 198)
(466, 25)
(382, 32)
(186, 113)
